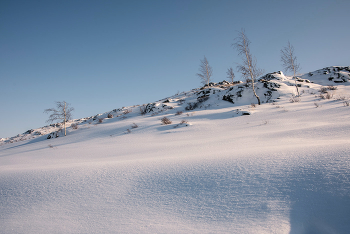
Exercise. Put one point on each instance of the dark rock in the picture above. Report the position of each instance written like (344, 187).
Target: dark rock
(228, 98)
(29, 131)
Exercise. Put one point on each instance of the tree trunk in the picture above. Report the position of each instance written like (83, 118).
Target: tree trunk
(65, 133)
(257, 97)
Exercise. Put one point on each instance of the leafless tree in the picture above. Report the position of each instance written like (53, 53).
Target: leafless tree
(63, 112)
(230, 74)
(205, 71)
(289, 62)
(248, 67)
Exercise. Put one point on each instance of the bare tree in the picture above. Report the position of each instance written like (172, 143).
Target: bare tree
(289, 62)
(248, 67)
(230, 74)
(205, 71)
(63, 112)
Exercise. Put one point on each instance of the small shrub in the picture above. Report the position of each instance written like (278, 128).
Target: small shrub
(143, 110)
(74, 126)
(134, 125)
(191, 106)
(323, 90)
(178, 113)
(341, 98)
(109, 116)
(294, 99)
(253, 105)
(329, 95)
(346, 103)
(165, 120)
(182, 122)
(100, 120)
(332, 87)
(316, 104)
(326, 96)
(128, 131)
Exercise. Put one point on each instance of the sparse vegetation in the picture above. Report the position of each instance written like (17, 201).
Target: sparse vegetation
(230, 74)
(323, 90)
(178, 113)
(165, 120)
(109, 116)
(341, 98)
(100, 120)
(346, 103)
(332, 87)
(326, 95)
(205, 71)
(63, 112)
(134, 125)
(294, 99)
(191, 106)
(289, 62)
(183, 121)
(143, 110)
(74, 126)
(248, 68)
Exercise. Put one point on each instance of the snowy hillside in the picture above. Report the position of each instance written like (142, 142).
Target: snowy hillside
(203, 161)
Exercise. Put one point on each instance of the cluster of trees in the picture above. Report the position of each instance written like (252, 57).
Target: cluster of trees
(248, 68)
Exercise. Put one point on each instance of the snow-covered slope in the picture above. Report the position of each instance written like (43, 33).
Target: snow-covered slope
(223, 165)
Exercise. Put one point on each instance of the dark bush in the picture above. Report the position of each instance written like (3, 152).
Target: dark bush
(165, 120)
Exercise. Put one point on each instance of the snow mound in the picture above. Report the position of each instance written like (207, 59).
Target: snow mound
(329, 76)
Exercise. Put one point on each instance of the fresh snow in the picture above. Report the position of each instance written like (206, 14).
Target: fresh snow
(281, 167)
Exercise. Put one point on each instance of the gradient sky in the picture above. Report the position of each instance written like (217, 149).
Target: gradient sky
(102, 55)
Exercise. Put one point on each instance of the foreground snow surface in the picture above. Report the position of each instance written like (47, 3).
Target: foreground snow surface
(283, 169)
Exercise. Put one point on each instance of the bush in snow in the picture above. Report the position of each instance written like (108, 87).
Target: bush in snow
(165, 120)
(74, 126)
(143, 110)
(109, 116)
(191, 106)
(134, 125)
(294, 99)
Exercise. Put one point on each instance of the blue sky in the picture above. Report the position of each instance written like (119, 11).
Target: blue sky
(102, 55)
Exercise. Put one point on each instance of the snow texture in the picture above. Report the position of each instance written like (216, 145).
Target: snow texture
(224, 164)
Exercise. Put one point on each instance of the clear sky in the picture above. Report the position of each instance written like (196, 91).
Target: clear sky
(102, 55)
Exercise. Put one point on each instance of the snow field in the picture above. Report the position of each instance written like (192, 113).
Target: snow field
(283, 169)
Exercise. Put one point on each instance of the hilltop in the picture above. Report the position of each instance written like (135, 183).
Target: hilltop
(271, 88)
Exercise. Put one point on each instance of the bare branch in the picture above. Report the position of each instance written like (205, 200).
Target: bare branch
(289, 61)
(205, 71)
(248, 67)
(230, 74)
(62, 113)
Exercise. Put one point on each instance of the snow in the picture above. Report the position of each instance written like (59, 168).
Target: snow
(282, 169)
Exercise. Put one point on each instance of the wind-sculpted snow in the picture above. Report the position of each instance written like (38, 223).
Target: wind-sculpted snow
(223, 165)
